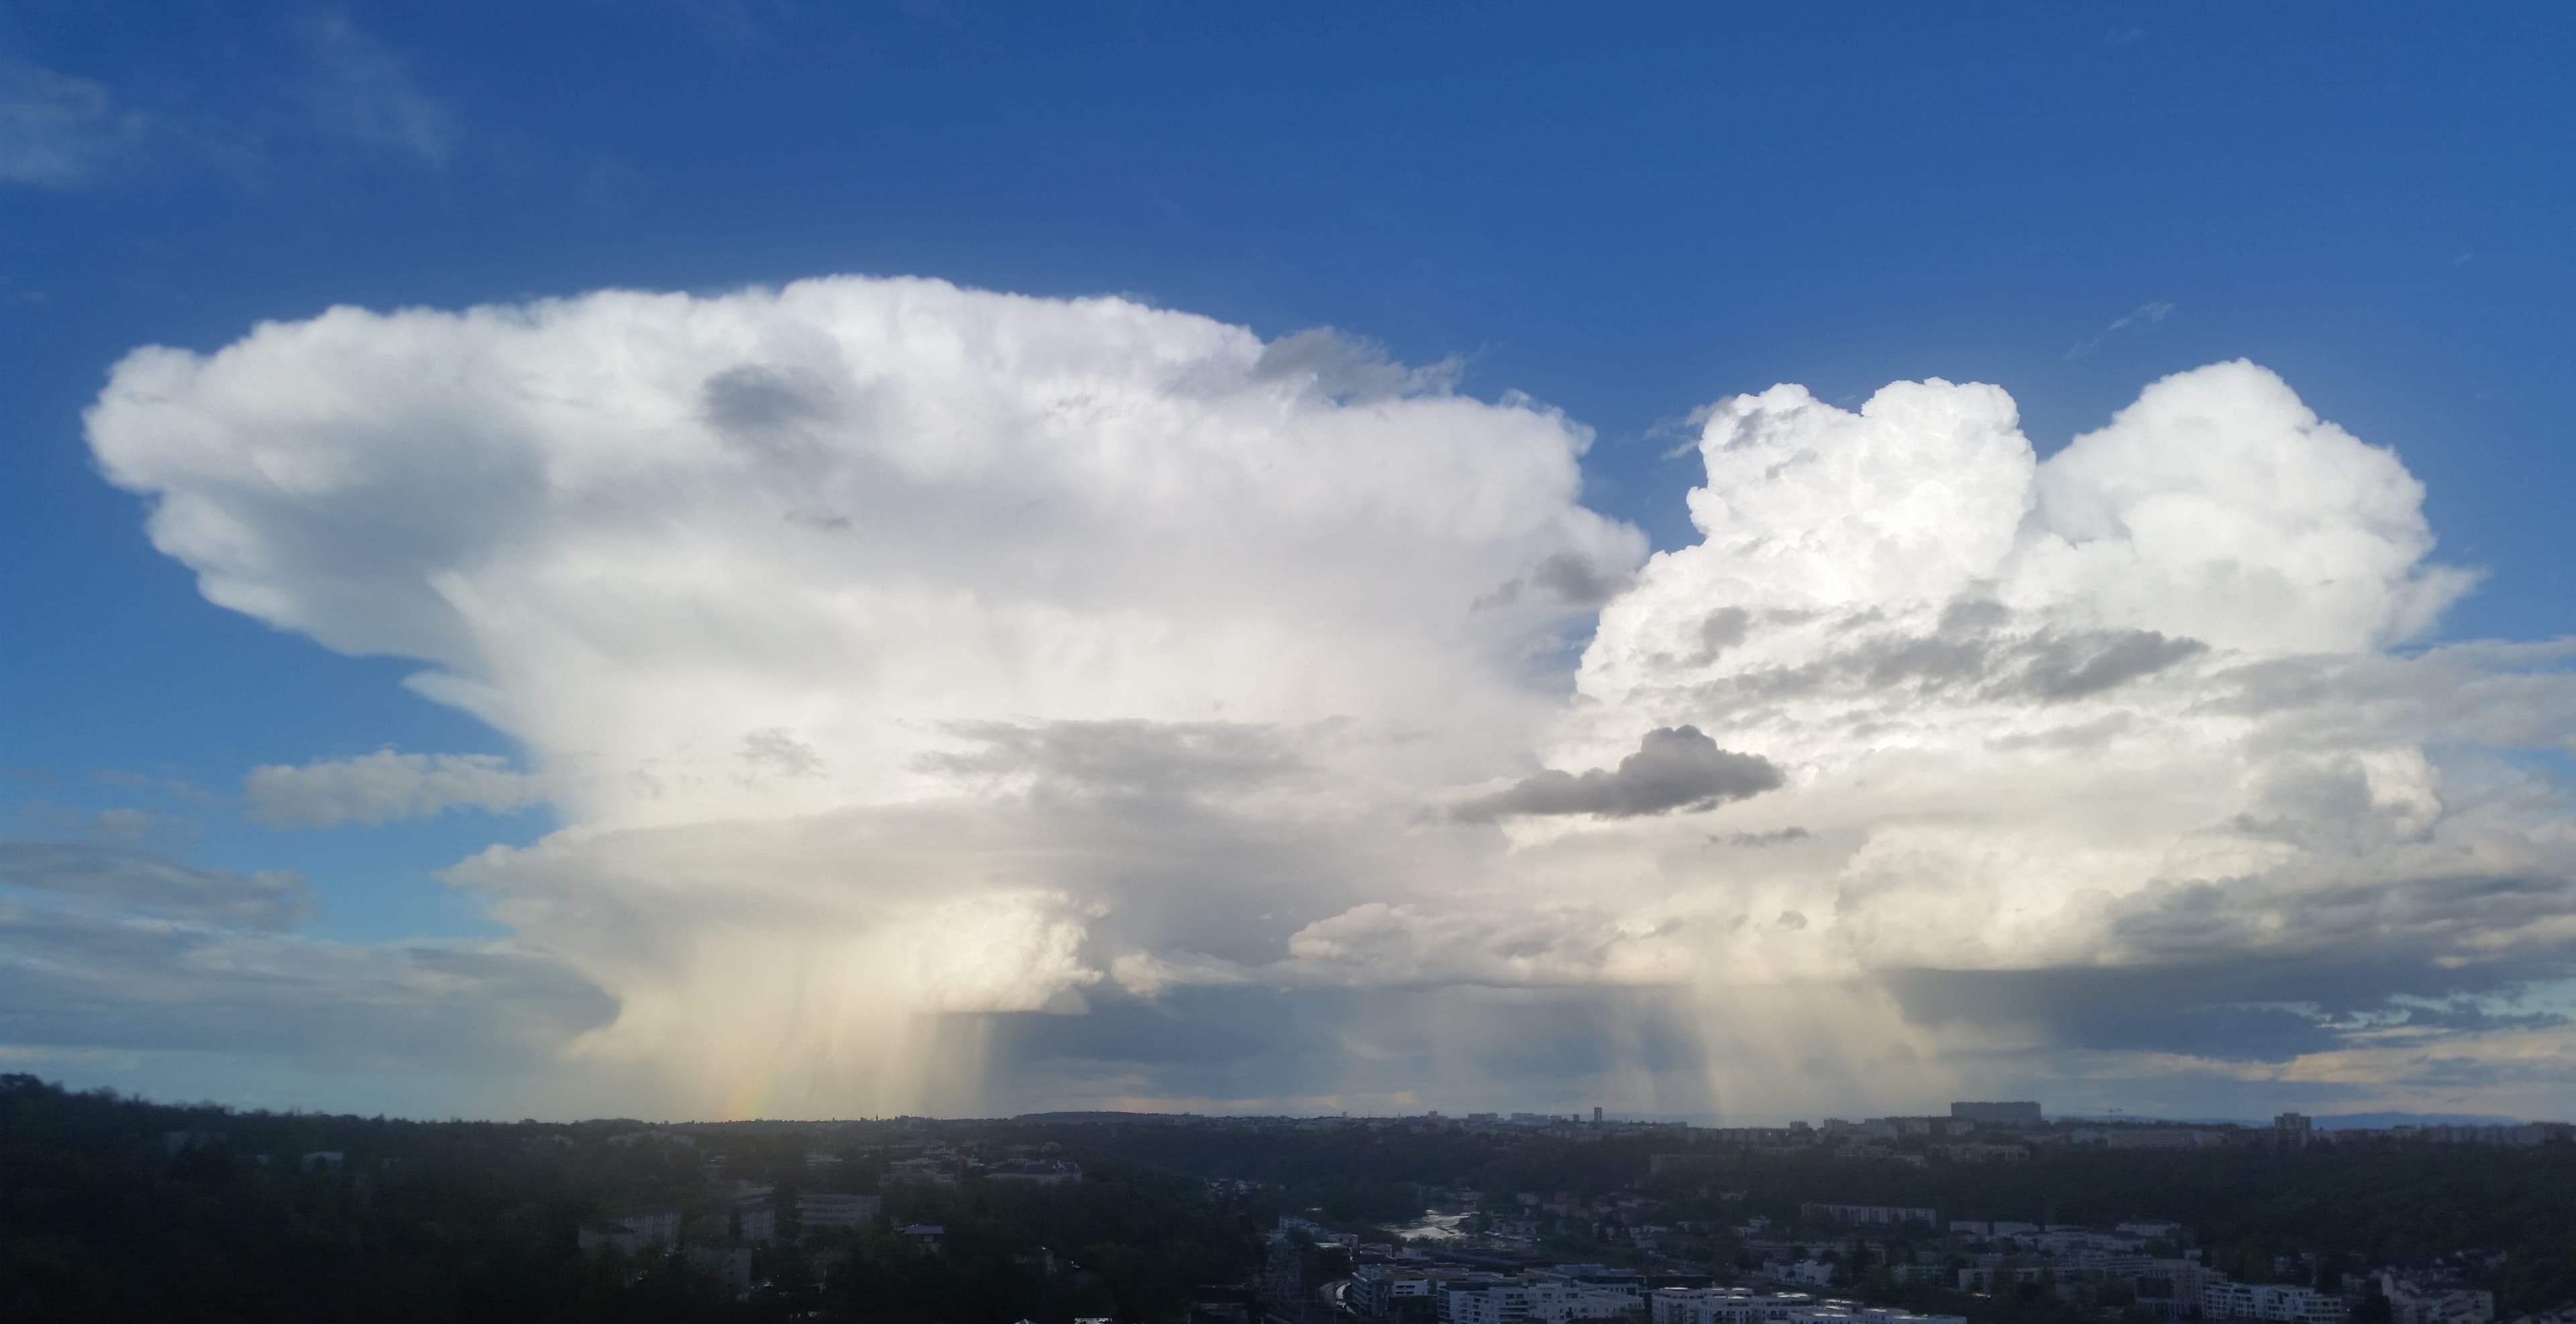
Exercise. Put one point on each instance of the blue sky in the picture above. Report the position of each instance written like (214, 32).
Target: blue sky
(1625, 218)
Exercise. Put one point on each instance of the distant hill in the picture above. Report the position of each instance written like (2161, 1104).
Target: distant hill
(2322, 1121)
(2358, 1121)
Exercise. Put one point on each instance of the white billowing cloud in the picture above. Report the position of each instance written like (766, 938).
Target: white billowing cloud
(2025, 699)
(386, 786)
(2219, 507)
(914, 666)
(670, 542)
(969, 597)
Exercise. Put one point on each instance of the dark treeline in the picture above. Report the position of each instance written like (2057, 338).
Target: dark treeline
(1127, 1243)
(116, 1209)
(100, 1219)
(2400, 1204)
(1356, 1174)
(104, 1216)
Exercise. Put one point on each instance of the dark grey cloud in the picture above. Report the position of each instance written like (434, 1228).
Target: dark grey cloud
(1573, 581)
(1724, 629)
(753, 398)
(1130, 757)
(1674, 768)
(1348, 368)
(1436, 1047)
(143, 883)
(1973, 652)
(1563, 579)
(2200, 1011)
(2072, 666)
(2203, 983)
(1976, 652)
(2396, 923)
(1759, 840)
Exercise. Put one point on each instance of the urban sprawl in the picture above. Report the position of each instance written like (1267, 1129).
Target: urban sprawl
(1482, 1257)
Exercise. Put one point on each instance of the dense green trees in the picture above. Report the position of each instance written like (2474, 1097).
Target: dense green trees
(101, 1219)
(104, 1216)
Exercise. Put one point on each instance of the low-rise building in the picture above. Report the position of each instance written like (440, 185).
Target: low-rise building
(2271, 1301)
(1735, 1305)
(1867, 1214)
(1535, 1298)
(922, 1172)
(1400, 1291)
(2148, 1137)
(1979, 1152)
(1036, 1172)
(2412, 1301)
(1805, 1273)
(836, 1211)
(725, 1268)
(635, 1230)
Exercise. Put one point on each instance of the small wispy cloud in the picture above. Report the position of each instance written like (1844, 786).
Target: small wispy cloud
(386, 787)
(2124, 36)
(2154, 310)
(363, 92)
(59, 131)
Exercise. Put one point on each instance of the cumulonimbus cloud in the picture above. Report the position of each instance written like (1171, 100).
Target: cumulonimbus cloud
(926, 675)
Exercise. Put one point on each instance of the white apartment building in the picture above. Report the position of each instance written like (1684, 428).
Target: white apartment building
(1485, 1299)
(1534, 1299)
(1721, 1305)
(1867, 1214)
(1734, 1305)
(1381, 1291)
(1984, 1230)
(2410, 1302)
(2271, 1301)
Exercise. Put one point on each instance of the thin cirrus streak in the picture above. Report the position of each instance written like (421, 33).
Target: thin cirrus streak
(958, 700)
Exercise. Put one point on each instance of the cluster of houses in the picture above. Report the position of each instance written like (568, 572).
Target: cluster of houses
(1486, 1279)
(1432, 1293)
